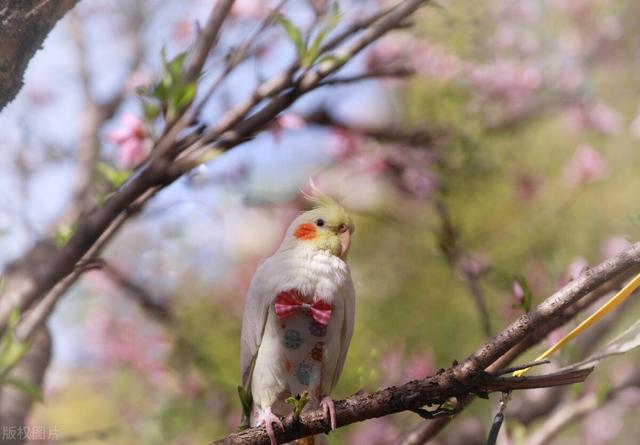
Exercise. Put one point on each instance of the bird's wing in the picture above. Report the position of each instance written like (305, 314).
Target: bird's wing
(347, 329)
(254, 320)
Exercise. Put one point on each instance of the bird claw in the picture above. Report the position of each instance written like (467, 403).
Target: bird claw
(329, 410)
(268, 419)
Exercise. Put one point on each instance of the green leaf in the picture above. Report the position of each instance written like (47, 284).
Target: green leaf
(184, 96)
(113, 176)
(32, 391)
(3, 283)
(295, 35)
(314, 50)
(209, 155)
(13, 353)
(63, 235)
(298, 402)
(11, 350)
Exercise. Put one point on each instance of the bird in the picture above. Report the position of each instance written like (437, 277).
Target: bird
(298, 318)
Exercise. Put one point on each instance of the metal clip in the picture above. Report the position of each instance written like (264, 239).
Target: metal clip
(498, 419)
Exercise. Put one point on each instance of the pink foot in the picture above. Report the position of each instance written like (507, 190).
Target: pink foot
(268, 419)
(329, 410)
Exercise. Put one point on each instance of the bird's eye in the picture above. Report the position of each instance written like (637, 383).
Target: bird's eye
(319, 222)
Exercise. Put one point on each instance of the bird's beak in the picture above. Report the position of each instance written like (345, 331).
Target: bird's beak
(345, 243)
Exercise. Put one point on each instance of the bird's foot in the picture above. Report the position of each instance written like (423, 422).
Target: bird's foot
(329, 410)
(298, 402)
(268, 419)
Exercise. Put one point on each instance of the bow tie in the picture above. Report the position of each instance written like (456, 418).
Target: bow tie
(287, 304)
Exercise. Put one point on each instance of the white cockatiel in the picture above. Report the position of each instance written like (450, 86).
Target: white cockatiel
(298, 317)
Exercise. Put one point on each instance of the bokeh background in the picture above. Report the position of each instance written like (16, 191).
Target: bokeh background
(507, 163)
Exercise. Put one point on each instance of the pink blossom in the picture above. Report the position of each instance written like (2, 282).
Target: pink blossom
(605, 119)
(129, 138)
(39, 96)
(182, 30)
(139, 78)
(517, 292)
(555, 336)
(291, 121)
(379, 431)
(473, 264)
(286, 121)
(130, 343)
(342, 144)
(432, 60)
(613, 246)
(388, 50)
(419, 182)
(603, 426)
(586, 165)
(418, 366)
(507, 82)
(599, 118)
(574, 269)
(248, 9)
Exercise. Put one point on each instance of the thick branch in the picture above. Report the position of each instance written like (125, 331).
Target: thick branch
(411, 396)
(24, 24)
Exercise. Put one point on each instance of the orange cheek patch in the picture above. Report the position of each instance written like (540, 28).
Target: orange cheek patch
(305, 231)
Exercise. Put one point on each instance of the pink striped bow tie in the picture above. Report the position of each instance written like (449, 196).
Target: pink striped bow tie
(288, 303)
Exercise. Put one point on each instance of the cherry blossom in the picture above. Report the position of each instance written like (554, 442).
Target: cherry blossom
(586, 165)
(129, 138)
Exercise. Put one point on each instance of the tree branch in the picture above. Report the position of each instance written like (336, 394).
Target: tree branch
(24, 24)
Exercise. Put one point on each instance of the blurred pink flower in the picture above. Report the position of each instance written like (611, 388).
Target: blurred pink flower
(586, 165)
(517, 292)
(605, 119)
(555, 336)
(432, 60)
(473, 264)
(379, 431)
(507, 82)
(286, 121)
(396, 368)
(419, 366)
(129, 138)
(603, 425)
(574, 269)
(599, 118)
(183, 30)
(137, 79)
(419, 182)
(130, 343)
(342, 144)
(390, 49)
(248, 9)
(39, 96)
(613, 245)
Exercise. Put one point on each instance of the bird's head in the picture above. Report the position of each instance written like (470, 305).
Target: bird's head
(327, 226)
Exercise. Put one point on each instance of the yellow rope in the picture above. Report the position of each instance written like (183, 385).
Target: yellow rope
(605, 309)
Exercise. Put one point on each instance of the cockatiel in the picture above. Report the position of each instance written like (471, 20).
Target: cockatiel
(299, 316)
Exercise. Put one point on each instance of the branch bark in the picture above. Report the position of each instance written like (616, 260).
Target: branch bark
(24, 24)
